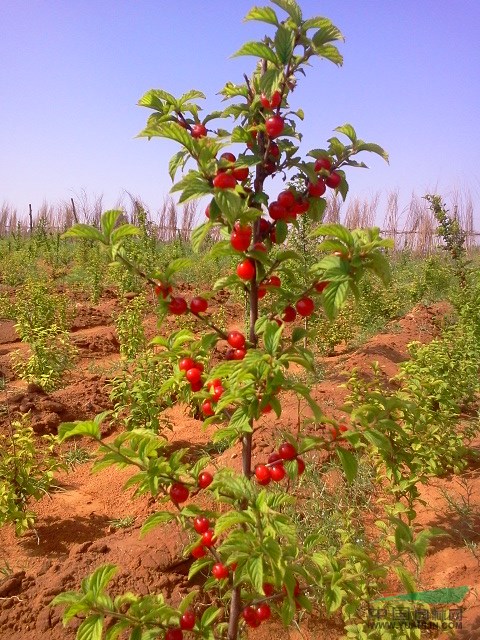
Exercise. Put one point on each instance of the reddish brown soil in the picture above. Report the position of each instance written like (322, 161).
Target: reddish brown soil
(74, 533)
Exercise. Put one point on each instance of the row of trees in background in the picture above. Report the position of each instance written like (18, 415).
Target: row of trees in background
(412, 227)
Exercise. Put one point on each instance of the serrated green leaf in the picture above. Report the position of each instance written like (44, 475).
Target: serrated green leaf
(337, 231)
(262, 14)
(209, 616)
(91, 628)
(254, 569)
(192, 186)
(334, 297)
(176, 162)
(86, 231)
(199, 234)
(374, 148)
(259, 50)
(193, 94)
(327, 31)
(406, 579)
(156, 519)
(125, 231)
(349, 463)
(172, 131)
(349, 131)
(292, 8)
(378, 440)
(329, 52)
(229, 202)
(284, 43)
(81, 428)
(108, 221)
(199, 565)
(269, 83)
(281, 231)
(153, 99)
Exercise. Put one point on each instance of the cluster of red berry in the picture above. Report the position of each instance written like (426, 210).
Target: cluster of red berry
(274, 469)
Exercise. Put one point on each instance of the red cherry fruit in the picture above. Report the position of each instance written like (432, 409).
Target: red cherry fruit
(262, 474)
(274, 457)
(187, 621)
(218, 392)
(224, 181)
(268, 589)
(274, 281)
(229, 157)
(229, 354)
(205, 479)
(207, 408)
(261, 293)
(207, 211)
(185, 364)
(263, 612)
(177, 306)
(301, 206)
(266, 409)
(289, 314)
(277, 472)
(241, 173)
(249, 614)
(178, 492)
(286, 199)
(199, 366)
(241, 237)
(274, 150)
(208, 538)
(236, 339)
(323, 163)
(220, 571)
(274, 101)
(318, 189)
(199, 131)
(198, 305)
(201, 524)
(196, 386)
(300, 466)
(193, 375)
(333, 180)
(270, 167)
(198, 551)
(174, 634)
(287, 451)
(305, 307)
(238, 354)
(163, 290)
(274, 126)
(259, 246)
(264, 226)
(277, 211)
(246, 269)
(321, 286)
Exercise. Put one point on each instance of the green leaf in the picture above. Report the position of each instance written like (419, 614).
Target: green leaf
(349, 463)
(262, 14)
(91, 628)
(86, 231)
(272, 337)
(122, 232)
(269, 83)
(101, 577)
(406, 578)
(281, 231)
(156, 519)
(337, 231)
(334, 297)
(85, 428)
(349, 131)
(192, 186)
(259, 50)
(284, 44)
(229, 202)
(175, 163)
(374, 148)
(193, 94)
(254, 569)
(327, 31)
(199, 234)
(331, 53)
(108, 221)
(378, 440)
(199, 565)
(292, 8)
(209, 616)
(153, 99)
(172, 131)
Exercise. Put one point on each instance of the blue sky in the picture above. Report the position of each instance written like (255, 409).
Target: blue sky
(73, 70)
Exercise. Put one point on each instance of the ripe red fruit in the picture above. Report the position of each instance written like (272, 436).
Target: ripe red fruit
(274, 126)
(289, 314)
(277, 472)
(199, 131)
(201, 524)
(318, 189)
(205, 479)
(220, 571)
(185, 364)
(241, 173)
(198, 305)
(177, 306)
(264, 226)
(218, 392)
(277, 211)
(323, 163)
(274, 150)
(286, 199)
(259, 246)
(321, 286)
(229, 354)
(274, 281)
(296, 589)
(174, 634)
(287, 451)
(301, 206)
(249, 614)
(274, 101)
(262, 474)
(241, 237)
(207, 408)
(305, 307)
(229, 157)
(178, 492)
(268, 589)
(333, 180)
(193, 375)
(261, 293)
(208, 538)
(207, 211)
(163, 290)
(263, 611)
(274, 457)
(198, 551)
(187, 621)
(196, 386)
(236, 339)
(224, 181)
(270, 167)
(246, 269)
(238, 354)
(267, 408)
(300, 466)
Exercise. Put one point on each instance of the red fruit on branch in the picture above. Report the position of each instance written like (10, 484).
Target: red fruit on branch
(274, 457)
(277, 211)
(273, 102)
(286, 199)
(246, 269)
(201, 524)
(174, 634)
(317, 189)
(207, 408)
(239, 354)
(259, 246)
(218, 392)
(274, 281)
(289, 314)
(177, 306)
(277, 472)
(196, 386)
(323, 163)
(261, 293)
(179, 492)
(185, 364)
(193, 375)
(198, 305)
(163, 290)
(263, 612)
(301, 205)
(249, 614)
(287, 451)
(187, 621)
(224, 181)
(333, 180)
(267, 408)
(236, 339)
(300, 466)
(220, 571)
(241, 237)
(274, 150)
(205, 479)
(268, 589)
(274, 126)
(198, 552)
(241, 173)
(321, 286)
(229, 157)
(264, 227)
(262, 474)
(305, 307)
(199, 131)
(208, 538)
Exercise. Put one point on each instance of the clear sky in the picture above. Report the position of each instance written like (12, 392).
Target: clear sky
(72, 71)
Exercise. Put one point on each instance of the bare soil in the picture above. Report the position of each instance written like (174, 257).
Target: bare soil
(74, 531)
